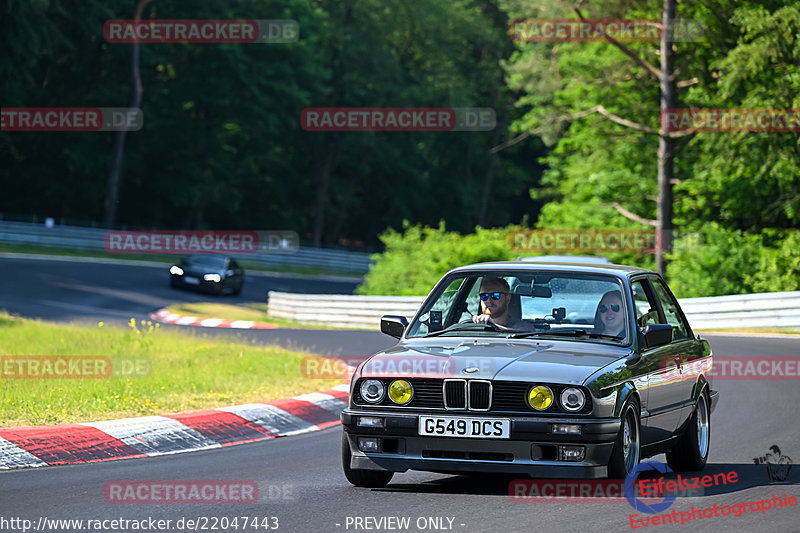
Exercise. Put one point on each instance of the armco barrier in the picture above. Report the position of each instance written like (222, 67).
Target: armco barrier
(340, 309)
(79, 238)
(764, 310)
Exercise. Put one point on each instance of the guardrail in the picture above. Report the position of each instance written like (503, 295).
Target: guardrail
(764, 310)
(340, 310)
(78, 238)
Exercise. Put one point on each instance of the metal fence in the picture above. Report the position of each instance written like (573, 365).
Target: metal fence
(340, 310)
(91, 239)
(765, 310)
(762, 310)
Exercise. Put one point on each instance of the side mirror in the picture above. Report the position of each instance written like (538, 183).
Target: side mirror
(393, 325)
(657, 335)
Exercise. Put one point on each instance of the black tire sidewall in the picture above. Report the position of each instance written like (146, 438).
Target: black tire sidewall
(616, 464)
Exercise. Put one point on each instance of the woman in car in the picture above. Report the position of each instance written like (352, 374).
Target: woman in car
(609, 319)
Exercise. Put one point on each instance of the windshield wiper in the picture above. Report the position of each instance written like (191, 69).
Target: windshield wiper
(471, 327)
(573, 333)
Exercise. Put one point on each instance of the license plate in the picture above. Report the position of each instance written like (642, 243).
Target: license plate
(446, 426)
(191, 281)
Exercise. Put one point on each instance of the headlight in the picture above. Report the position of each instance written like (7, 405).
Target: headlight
(372, 390)
(212, 277)
(540, 397)
(573, 399)
(401, 391)
(175, 269)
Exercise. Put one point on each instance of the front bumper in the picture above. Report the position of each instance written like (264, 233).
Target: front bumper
(201, 285)
(532, 448)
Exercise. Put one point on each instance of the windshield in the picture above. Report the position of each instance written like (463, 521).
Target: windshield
(214, 261)
(548, 304)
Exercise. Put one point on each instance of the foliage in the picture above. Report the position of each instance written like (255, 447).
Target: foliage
(713, 261)
(417, 258)
(222, 146)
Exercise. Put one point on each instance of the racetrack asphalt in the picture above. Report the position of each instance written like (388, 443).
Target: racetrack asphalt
(301, 482)
(86, 292)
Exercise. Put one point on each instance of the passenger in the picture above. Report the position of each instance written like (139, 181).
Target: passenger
(609, 319)
(495, 297)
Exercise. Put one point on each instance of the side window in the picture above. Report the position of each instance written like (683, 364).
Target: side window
(670, 307)
(646, 312)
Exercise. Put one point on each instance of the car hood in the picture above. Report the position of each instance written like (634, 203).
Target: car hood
(497, 359)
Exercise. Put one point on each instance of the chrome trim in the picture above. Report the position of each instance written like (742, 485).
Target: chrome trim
(469, 384)
(444, 395)
(363, 397)
(564, 405)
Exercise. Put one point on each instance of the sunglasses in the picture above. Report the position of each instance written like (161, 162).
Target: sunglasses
(604, 308)
(495, 295)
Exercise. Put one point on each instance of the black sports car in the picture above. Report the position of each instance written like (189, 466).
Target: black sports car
(552, 370)
(217, 274)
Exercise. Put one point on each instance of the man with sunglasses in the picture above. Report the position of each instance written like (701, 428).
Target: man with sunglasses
(495, 297)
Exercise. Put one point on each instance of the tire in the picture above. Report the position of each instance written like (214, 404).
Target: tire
(362, 478)
(690, 453)
(627, 448)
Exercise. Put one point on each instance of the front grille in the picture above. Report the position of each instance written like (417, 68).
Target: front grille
(455, 396)
(494, 397)
(511, 397)
(480, 395)
(427, 394)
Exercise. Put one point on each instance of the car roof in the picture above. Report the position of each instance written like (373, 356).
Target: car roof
(529, 266)
(566, 259)
(205, 257)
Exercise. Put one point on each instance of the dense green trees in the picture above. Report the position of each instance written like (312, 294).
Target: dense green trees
(222, 144)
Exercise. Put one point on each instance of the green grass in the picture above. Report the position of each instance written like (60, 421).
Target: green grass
(256, 312)
(186, 373)
(164, 258)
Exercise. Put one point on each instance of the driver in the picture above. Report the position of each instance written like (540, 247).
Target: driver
(495, 297)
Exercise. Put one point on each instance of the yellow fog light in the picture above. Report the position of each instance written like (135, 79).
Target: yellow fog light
(401, 391)
(540, 397)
